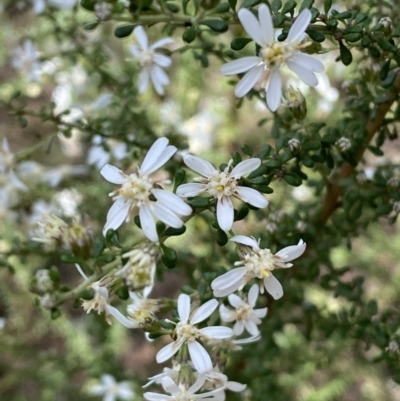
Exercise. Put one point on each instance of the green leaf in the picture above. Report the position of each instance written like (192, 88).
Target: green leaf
(87, 294)
(189, 34)
(90, 26)
(365, 41)
(199, 202)
(361, 17)
(216, 25)
(278, 20)
(289, 7)
(236, 158)
(344, 15)
(327, 6)
(250, 3)
(98, 247)
(279, 142)
(315, 35)
(241, 213)
(22, 122)
(221, 8)
(275, 6)
(172, 7)
(352, 37)
(247, 150)
(311, 145)
(179, 178)
(55, 313)
(123, 293)
(384, 44)
(383, 73)
(239, 43)
(232, 4)
(345, 54)
(70, 259)
(222, 238)
(306, 4)
(124, 31)
(292, 180)
(264, 151)
(88, 4)
(171, 231)
(169, 257)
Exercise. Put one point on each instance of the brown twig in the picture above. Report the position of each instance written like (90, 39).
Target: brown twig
(334, 191)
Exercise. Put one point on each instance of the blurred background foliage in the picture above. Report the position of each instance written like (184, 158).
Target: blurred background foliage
(335, 333)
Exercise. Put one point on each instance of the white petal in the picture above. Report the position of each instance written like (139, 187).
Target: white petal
(81, 272)
(184, 307)
(199, 356)
(161, 43)
(157, 397)
(260, 313)
(162, 60)
(273, 287)
(199, 165)
(226, 314)
(141, 37)
(144, 79)
(158, 154)
(248, 340)
(230, 278)
(299, 26)
(251, 196)
(120, 317)
(245, 167)
(238, 328)
(170, 386)
(310, 62)
(251, 327)
(113, 174)
(158, 75)
(251, 25)
(166, 215)
(248, 81)
(225, 213)
(172, 201)
(235, 300)
(168, 351)
(306, 75)
(218, 332)
(242, 239)
(135, 51)
(148, 224)
(274, 90)
(292, 252)
(109, 397)
(117, 214)
(240, 65)
(266, 24)
(192, 189)
(204, 311)
(253, 295)
(235, 386)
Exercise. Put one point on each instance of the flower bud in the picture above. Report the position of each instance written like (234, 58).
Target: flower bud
(50, 231)
(387, 24)
(48, 301)
(296, 103)
(343, 144)
(43, 282)
(396, 207)
(103, 11)
(392, 182)
(294, 145)
(77, 239)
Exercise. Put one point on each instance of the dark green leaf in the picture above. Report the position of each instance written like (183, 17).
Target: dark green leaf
(189, 34)
(216, 25)
(292, 180)
(289, 7)
(239, 43)
(327, 6)
(345, 54)
(222, 238)
(383, 73)
(124, 31)
(315, 35)
(171, 231)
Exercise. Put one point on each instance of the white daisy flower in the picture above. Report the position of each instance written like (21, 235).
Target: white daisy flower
(151, 62)
(111, 390)
(137, 189)
(181, 392)
(273, 55)
(26, 59)
(222, 185)
(245, 315)
(256, 263)
(186, 332)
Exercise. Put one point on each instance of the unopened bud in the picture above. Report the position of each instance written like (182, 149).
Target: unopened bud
(387, 24)
(77, 239)
(396, 207)
(296, 103)
(301, 226)
(48, 301)
(50, 231)
(343, 144)
(294, 145)
(43, 281)
(271, 227)
(103, 11)
(392, 182)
